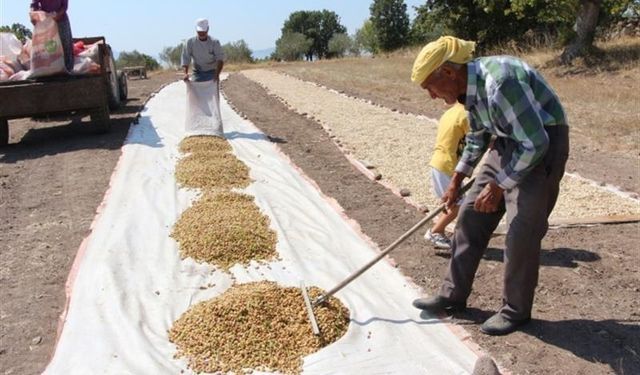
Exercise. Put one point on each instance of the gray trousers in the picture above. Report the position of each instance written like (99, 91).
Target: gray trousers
(527, 206)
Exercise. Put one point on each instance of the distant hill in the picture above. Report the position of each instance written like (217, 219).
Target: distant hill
(261, 54)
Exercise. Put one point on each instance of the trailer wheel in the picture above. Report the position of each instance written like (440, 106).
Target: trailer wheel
(101, 121)
(114, 85)
(123, 86)
(4, 132)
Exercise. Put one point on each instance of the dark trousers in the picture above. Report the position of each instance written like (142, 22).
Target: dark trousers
(527, 206)
(203, 75)
(64, 30)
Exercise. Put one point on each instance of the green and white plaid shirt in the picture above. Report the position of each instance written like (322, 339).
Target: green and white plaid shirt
(508, 98)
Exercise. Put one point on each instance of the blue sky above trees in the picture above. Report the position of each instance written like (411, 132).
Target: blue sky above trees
(148, 26)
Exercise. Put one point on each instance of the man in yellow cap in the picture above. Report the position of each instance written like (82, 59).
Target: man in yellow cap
(511, 101)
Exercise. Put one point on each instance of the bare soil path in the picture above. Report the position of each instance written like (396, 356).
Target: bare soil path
(587, 308)
(53, 176)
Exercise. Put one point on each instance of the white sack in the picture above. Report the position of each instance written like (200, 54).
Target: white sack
(203, 109)
(86, 62)
(6, 70)
(10, 47)
(47, 57)
(20, 76)
(91, 51)
(24, 58)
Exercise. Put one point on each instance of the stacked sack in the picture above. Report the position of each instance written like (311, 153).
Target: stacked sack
(85, 57)
(14, 58)
(43, 56)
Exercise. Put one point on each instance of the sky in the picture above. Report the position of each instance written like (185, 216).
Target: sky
(149, 26)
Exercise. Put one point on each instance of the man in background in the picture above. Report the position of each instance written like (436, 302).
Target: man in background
(205, 52)
(59, 10)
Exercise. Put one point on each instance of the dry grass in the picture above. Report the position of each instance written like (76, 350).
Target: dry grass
(259, 326)
(236, 67)
(225, 229)
(600, 95)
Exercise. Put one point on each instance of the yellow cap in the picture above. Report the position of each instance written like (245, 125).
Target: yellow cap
(434, 54)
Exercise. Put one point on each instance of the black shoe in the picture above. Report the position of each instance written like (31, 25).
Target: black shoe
(439, 304)
(498, 325)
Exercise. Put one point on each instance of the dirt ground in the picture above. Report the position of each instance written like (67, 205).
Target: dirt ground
(586, 318)
(53, 176)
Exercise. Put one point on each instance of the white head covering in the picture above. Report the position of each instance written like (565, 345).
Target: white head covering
(202, 24)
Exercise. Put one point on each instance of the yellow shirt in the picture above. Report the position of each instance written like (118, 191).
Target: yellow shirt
(452, 128)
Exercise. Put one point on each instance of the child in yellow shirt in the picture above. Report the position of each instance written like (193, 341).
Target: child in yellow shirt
(452, 128)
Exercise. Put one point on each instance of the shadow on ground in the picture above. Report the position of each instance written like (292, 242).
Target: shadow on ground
(614, 342)
(254, 136)
(559, 257)
(69, 135)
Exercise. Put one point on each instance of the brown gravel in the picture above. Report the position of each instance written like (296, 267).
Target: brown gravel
(259, 326)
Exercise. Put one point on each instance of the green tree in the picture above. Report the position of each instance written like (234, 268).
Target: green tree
(172, 56)
(390, 23)
(329, 26)
(136, 58)
(366, 38)
(485, 21)
(292, 46)
(354, 47)
(577, 20)
(306, 23)
(423, 30)
(339, 45)
(490, 22)
(586, 22)
(19, 30)
(318, 26)
(237, 52)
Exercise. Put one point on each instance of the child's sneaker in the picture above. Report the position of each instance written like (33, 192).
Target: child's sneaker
(439, 240)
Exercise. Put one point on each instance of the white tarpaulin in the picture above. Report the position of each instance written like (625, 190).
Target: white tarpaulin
(203, 110)
(130, 284)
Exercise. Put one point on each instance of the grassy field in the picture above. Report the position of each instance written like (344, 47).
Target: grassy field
(601, 94)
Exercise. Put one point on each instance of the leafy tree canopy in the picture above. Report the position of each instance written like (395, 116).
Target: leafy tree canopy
(340, 45)
(172, 56)
(238, 52)
(366, 38)
(136, 58)
(390, 24)
(318, 26)
(292, 46)
(490, 22)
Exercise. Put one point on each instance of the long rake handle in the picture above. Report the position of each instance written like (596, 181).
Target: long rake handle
(388, 249)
